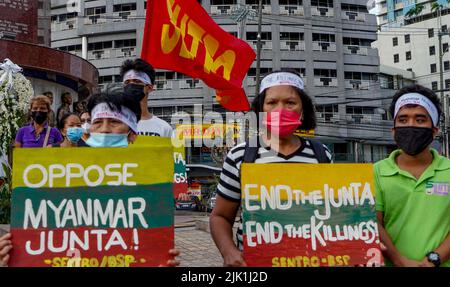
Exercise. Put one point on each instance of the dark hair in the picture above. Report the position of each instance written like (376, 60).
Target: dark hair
(140, 66)
(429, 94)
(85, 112)
(115, 101)
(62, 121)
(309, 115)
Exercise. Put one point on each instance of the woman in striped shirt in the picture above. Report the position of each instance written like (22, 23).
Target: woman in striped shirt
(288, 108)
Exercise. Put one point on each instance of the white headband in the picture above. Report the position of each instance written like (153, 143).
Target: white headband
(420, 100)
(281, 79)
(135, 75)
(103, 111)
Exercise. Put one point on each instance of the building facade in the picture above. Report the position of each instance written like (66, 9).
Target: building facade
(328, 42)
(411, 42)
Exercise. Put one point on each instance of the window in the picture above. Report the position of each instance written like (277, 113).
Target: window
(100, 46)
(407, 38)
(124, 7)
(327, 111)
(125, 43)
(291, 2)
(354, 110)
(432, 50)
(444, 47)
(323, 37)
(325, 73)
(95, 11)
(253, 36)
(291, 36)
(430, 33)
(396, 58)
(447, 83)
(322, 3)
(446, 65)
(434, 86)
(408, 55)
(444, 28)
(395, 41)
(433, 68)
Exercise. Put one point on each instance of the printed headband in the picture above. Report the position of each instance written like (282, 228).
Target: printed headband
(281, 79)
(420, 100)
(126, 116)
(135, 75)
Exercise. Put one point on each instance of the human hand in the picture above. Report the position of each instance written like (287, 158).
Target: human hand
(234, 259)
(5, 248)
(173, 253)
(426, 263)
(405, 262)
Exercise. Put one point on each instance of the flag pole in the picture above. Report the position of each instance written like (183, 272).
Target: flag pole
(258, 49)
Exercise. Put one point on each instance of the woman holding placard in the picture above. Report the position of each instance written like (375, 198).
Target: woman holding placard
(282, 106)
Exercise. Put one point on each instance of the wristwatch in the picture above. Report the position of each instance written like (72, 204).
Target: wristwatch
(434, 258)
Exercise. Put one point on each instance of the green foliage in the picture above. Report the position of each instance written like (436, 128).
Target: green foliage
(415, 11)
(5, 196)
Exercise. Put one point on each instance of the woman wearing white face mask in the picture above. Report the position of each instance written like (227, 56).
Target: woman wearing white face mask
(70, 128)
(85, 125)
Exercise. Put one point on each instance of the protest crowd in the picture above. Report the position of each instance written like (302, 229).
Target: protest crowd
(410, 196)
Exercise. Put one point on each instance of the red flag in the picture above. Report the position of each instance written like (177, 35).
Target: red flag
(180, 36)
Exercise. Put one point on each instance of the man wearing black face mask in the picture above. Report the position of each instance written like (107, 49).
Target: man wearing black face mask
(138, 79)
(413, 184)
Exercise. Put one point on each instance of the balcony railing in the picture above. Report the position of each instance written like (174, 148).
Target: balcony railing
(325, 82)
(322, 11)
(357, 84)
(324, 46)
(292, 10)
(125, 52)
(96, 19)
(65, 25)
(353, 16)
(292, 45)
(251, 81)
(164, 85)
(266, 9)
(99, 54)
(222, 9)
(124, 16)
(189, 84)
(355, 50)
(266, 45)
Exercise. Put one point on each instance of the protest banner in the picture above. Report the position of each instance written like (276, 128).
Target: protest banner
(182, 37)
(309, 215)
(207, 131)
(180, 177)
(92, 207)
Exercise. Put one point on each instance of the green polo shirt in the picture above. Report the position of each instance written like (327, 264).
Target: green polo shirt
(416, 212)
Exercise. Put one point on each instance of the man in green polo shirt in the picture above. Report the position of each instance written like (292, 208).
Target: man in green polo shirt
(413, 184)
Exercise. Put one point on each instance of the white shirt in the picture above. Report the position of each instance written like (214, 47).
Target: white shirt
(155, 127)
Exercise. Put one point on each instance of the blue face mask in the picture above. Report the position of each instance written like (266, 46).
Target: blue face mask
(74, 134)
(107, 140)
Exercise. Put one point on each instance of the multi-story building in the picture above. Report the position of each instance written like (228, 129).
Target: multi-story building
(410, 42)
(327, 41)
(44, 22)
(25, 40)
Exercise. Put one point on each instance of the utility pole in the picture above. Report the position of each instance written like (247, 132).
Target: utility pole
(241, 14)
(259, 47)
(444, 122)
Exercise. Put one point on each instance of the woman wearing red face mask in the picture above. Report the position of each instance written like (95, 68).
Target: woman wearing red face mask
(285, 107)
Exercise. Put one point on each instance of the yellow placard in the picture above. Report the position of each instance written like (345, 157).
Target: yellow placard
(76, 167)
(307, 177)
